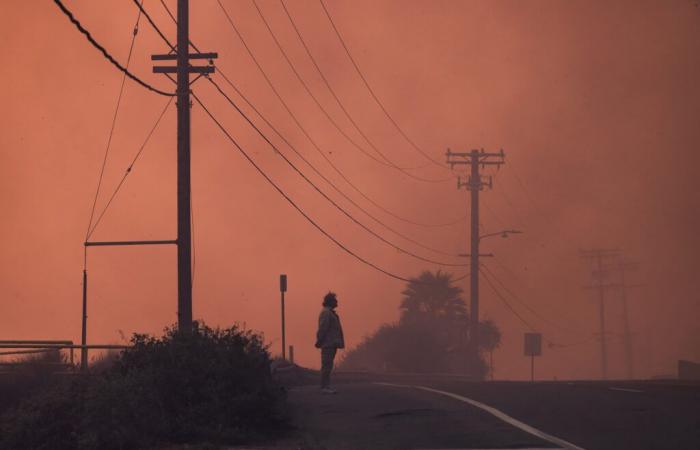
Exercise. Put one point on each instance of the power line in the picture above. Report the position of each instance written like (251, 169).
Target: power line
(111, 129)
(322, 193)
(518, 279)
(109, 57)
(153, 25)
(522, 302)
(320, 174)
(325, 80)
(506, 302)
(129, 168)
(289, 144)
(316, 146)
(550, 342)
(330, 118)
(291, 202)
(374, 96)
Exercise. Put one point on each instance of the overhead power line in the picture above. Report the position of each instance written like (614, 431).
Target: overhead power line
(374, 95)
(315, 144)
(506, 302)
(289, 144)
(325, 80)
(153, 24)
(111, 128)
(109, 57)
(522, 302)
(387, 162)
(323, 194)
(129, 169)
(290, 201)
(323, 177)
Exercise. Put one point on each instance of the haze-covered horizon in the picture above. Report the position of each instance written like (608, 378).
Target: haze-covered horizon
(596, 107)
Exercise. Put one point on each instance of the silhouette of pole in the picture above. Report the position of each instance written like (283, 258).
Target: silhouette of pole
(83, 340)
(474, 185)
(184, 237)
(629, 355)
(182, 69)
(283, 289)
(603, 336)
(600, 273)
(475, 159)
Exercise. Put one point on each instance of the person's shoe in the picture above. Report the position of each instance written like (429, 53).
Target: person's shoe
(328, 391)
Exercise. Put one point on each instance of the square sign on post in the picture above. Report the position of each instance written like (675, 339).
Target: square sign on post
(533, 347)
(283, 283)
(533, 344)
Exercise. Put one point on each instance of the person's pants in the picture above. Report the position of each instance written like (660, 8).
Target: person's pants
(327, 357)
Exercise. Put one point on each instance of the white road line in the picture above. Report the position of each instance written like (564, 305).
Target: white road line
(500, 414)
(624, 389)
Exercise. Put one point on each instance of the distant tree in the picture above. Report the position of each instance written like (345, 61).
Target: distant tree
(430, 336)
(432, 297)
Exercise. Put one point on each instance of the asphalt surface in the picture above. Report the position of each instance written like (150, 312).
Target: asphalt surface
(589, 415)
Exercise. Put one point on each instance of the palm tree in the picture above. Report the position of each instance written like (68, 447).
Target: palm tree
(431, 297)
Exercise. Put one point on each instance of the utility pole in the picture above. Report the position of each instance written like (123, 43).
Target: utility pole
(622, 267)
(475, 184)
(283, 289)
(184, 233)
(599, 274)
(183, 69)
(629, 348)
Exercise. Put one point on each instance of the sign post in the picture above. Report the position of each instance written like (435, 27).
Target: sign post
(283, 289)
(533, 347)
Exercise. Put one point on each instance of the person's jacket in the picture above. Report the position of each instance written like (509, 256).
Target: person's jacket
(330, 333)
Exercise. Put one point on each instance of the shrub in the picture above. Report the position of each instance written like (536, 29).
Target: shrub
(213, 385)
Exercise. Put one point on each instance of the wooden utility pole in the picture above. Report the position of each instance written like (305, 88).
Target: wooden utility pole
(184, 236)
(283, 289)
(622, 267)
(475, 184)
(83, 340)
(183, 69)
(599, 274)
(629, 348)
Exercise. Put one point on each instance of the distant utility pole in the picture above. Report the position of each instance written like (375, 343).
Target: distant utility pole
(623, 267)
(475, 159)
(183, 69)
(599, 274)
(283, 289)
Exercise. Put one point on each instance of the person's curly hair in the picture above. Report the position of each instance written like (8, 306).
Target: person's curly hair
(330, 299)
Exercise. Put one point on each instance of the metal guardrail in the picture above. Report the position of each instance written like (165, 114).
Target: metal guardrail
(41, 346)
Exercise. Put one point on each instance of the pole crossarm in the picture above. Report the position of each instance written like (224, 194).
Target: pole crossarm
(173, 56)
(193, 69)
(475, 158)
(122, 243)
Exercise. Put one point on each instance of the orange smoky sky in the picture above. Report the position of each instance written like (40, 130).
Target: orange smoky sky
(596, 105)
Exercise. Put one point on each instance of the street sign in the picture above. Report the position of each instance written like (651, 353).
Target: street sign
(533, 344)
(283, 283)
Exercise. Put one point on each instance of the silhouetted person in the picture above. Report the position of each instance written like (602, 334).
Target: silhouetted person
(329, 339)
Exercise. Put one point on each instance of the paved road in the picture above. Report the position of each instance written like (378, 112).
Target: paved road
(454, 413)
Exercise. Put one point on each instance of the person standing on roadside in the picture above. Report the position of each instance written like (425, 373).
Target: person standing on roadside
(329, 338)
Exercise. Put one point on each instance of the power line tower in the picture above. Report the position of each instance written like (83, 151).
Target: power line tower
(599, 274)
(475, 159)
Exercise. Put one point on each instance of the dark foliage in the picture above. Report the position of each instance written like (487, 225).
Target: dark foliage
(431, 335)
(25, 375)
(213, 385)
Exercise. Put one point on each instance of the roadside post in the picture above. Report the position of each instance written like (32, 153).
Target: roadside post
(533, 347)
(283, 289)
(291, 354)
